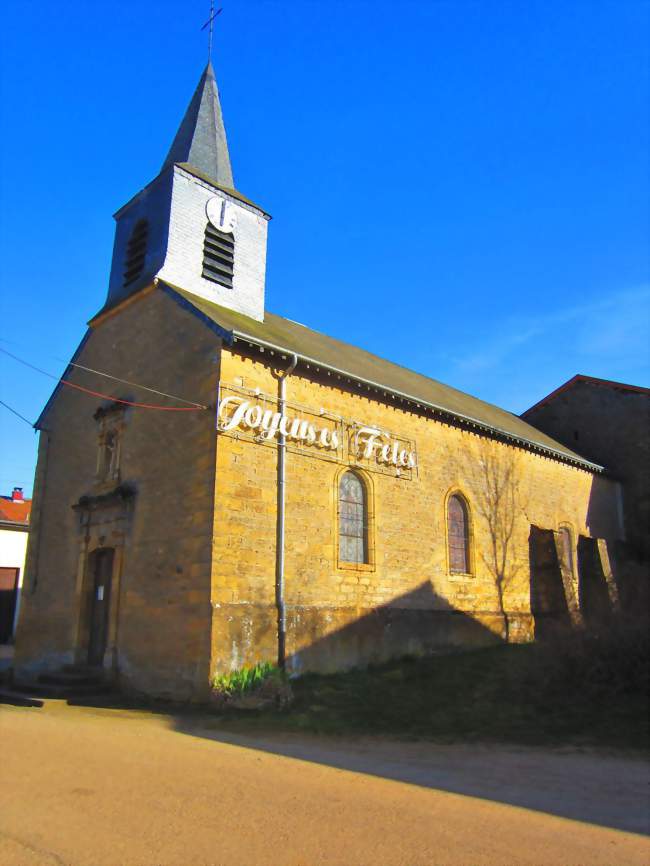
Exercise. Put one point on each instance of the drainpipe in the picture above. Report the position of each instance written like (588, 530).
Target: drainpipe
(279, 547)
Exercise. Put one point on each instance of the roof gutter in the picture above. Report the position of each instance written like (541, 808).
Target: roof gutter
(230, 336)
(594, 467)
(14, 526)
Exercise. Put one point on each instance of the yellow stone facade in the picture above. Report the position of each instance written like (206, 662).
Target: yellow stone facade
(406, 600)
(192, 517)
(156, 541)
(159, 624)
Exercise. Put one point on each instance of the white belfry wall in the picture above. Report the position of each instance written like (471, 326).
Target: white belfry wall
(184, 260)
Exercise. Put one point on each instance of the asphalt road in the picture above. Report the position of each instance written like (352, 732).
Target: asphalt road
(85, 787)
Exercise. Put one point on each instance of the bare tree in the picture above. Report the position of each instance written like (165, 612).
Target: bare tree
(499, 498)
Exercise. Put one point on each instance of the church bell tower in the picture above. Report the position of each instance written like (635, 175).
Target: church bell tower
(190, 227)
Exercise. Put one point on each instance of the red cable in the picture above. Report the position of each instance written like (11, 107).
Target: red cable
(106, 396)
(130, 402)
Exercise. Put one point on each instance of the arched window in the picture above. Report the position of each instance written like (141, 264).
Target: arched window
(353, 519)
(566, 545)
(136, 250)
(458, 535)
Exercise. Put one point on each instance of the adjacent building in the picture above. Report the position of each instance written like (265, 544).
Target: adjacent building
(14, 528)
(609, 423)
(245, 488)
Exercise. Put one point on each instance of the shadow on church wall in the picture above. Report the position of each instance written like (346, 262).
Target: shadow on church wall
(416, 623)
(595, 601)
(548, 599)
(612, 573)
(602, 517)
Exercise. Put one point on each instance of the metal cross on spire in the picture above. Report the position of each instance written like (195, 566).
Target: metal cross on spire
(210, 23)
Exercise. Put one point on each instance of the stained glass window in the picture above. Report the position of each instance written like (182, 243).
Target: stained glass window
(353, 512)
(458, 535)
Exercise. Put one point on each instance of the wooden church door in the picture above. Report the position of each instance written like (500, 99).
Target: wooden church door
(102, 567)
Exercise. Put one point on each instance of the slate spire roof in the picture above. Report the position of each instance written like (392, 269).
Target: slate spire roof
(201, 137)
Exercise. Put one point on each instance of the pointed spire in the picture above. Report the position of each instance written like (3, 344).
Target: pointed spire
(201, 137)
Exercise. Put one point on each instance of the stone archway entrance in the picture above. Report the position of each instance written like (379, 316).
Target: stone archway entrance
(103, 523)
(101, 568)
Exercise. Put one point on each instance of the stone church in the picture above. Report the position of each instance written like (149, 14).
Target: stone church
(218, 486)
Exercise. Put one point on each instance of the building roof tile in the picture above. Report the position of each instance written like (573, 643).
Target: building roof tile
(14, 511)
(351, 361)
(201, 137)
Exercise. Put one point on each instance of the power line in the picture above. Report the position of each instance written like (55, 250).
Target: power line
(137, 385)
(131, 402)
(22, 417)
(99, 373)
(191, 407)
(27, 364)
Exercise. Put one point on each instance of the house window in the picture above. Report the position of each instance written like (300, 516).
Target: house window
(218, 256)
(353, 519)
(458, 535)
(566, 546)
(136, 250)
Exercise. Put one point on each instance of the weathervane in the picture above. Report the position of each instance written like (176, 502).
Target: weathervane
(210, 23)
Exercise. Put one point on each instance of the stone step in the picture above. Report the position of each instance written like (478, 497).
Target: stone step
(68, 690)
(18, 699)
(82, 667)
(72, 677)
(108, 700)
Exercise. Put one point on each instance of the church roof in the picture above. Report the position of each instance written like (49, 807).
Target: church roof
(382, 376)
(201, 137)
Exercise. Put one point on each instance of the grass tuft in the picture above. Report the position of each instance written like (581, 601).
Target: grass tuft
(246, 680)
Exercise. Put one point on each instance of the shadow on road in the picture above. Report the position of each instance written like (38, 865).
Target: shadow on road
(601, 789)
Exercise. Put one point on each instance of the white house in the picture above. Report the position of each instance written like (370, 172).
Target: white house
(14, 531)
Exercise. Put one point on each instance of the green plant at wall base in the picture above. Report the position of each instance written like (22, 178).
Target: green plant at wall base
(247, 679)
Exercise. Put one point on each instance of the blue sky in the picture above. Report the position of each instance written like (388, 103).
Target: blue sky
(462, 187)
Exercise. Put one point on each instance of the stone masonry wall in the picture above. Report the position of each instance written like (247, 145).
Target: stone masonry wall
(160, 610)
(194, 580)
(610, 426)
(406, 600)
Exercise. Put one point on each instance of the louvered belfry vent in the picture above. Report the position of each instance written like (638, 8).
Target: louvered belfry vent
(136, 250)
(218, 256)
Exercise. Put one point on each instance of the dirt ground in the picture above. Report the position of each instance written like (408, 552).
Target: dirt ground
(92, 787)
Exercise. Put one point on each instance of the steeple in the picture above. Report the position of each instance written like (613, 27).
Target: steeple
(190, 227)
(201, 137)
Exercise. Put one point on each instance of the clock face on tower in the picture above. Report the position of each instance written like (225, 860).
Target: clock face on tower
(221, 214)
